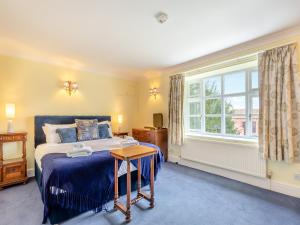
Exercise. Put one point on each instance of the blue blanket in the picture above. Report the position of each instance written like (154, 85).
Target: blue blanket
(84, 183)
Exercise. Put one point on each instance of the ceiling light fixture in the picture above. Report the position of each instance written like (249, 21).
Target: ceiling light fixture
(161, 17)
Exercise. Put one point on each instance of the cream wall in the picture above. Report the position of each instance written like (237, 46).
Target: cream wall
(36, 89)
(148, 104)
(281, 172)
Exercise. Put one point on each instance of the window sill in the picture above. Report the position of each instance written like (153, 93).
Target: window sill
(222, 139)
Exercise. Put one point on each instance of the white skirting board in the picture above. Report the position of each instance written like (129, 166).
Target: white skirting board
(264, 183)
(30, 172)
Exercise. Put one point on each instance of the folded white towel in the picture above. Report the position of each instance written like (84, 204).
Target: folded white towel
(79, 150)
(87, 151)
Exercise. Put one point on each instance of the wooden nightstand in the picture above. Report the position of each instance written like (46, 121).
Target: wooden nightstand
(121, 134)
(13, 171)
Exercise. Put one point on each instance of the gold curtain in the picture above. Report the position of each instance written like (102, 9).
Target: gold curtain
(176, 95)
(279, 123)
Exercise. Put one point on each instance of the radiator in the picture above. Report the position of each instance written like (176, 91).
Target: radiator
(243, 158)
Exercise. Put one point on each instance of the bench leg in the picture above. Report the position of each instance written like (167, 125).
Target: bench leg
(128, 205)
(116, 196)
(139, 178)
(152, 183)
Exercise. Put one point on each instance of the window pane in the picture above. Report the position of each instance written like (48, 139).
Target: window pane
(255, 105)
(236, 125)
(213, 86)
(194, 89)
(254, 79)
(234, 82)
(254, 116)
(195, 123)
(235, 105)
(213, 106)
(213, 124)
(195, 108)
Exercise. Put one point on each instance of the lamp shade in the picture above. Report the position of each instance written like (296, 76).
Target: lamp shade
(120, 118)
(10, 110)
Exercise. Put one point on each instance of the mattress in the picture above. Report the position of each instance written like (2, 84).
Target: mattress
(96, 145)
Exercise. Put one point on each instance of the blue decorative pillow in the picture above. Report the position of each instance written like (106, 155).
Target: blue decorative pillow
(103, 131)
(67, 135)
(87, 129)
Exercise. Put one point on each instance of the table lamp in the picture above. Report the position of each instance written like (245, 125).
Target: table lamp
(120, 121)
(10, 114)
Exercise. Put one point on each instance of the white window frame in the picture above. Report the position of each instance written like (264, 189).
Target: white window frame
(249, 94)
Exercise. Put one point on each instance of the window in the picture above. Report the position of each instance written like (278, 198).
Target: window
(224, 104)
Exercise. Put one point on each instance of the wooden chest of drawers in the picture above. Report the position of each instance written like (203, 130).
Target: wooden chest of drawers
(13, 171)
(158, 137)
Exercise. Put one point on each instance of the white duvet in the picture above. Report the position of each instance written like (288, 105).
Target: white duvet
(96, 145)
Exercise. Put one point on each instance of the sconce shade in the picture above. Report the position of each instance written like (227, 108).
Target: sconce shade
(70, 87)
(10, 110)
(74, 86)
(120, 118)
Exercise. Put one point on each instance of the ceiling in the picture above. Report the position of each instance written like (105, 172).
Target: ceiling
(122, 38)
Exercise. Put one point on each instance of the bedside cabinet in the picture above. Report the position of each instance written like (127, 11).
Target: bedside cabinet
(13, 171)
(158, 137)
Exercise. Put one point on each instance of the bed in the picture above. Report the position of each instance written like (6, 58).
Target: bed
(47, 157)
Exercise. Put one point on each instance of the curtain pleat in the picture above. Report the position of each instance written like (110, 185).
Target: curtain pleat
(279, 123)
(176, 95)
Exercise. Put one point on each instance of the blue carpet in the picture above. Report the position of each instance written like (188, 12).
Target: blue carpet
(183, 196)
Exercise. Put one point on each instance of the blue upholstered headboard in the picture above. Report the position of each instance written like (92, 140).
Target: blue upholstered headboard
(39, 121)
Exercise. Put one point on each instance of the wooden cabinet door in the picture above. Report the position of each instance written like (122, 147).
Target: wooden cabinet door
(13, 171)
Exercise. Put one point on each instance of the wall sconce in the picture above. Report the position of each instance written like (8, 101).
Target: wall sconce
(70, 87)
(153, 92)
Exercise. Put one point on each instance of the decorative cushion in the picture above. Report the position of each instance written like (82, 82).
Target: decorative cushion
(50, 131)
(87, 129)
(67, 135)
(103, 131)
(109, 126)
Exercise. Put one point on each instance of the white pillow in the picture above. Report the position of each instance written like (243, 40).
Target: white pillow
(109, 127)
(50, 131)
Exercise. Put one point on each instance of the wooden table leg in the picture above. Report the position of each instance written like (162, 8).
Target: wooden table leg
(152, 183)
(128, 213)
(116, 184)
(139, 178)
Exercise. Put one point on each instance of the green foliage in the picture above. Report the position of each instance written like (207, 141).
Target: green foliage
(214, 106)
